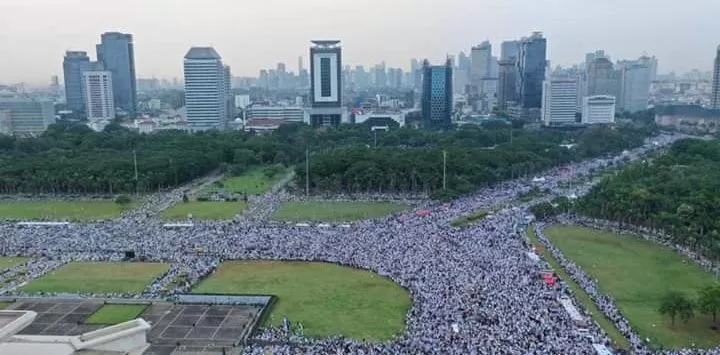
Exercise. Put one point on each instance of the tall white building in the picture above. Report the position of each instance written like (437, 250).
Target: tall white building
(635, 86)
(205, 89)
(98, 95)
(481, 59)
(559, 100)
(715, 98)
(326, 83)
(599, 109)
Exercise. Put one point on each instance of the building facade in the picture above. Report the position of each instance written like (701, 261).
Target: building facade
(506, 84)
(602, 78)
(98, 93)
(116, 52)
(509, 50)
(635, 90)
(326, 84)
(284, 113)
(437, 96)
(599, 109)
(27, 116)
(532, 62)
(715, 98)
(205, 89)
(559, 101)
(74, 64)
(481, 59)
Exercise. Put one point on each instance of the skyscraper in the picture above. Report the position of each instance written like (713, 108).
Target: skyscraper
(326, 83)
(602, 78)
(98, 89)
(509, 49)
(532, 62)
(481, 63)
(559, 101)
(506, 83)
(205, 89)
(715, 98)
(635, 90)
(229, 102)
(116, 52)
(437, 96)
(74, 64)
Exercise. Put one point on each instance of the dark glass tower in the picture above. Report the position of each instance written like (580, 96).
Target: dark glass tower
(531, 70)
(437, 96)
(74, 64)
(117, 54)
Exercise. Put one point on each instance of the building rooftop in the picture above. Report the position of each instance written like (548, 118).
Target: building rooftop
(202, 53)
(326, 43)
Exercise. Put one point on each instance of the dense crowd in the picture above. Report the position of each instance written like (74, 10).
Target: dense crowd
(474, 289)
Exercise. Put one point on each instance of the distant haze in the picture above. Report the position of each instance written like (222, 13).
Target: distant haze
(252, 35)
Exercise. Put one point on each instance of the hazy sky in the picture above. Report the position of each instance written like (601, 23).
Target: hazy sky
(251, 35)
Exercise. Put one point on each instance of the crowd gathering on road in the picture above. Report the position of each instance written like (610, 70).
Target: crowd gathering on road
(474, 289)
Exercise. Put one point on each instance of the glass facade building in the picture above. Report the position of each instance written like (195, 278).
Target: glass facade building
(116, 52)
(532, 62)
(437, 96)
(74, 64)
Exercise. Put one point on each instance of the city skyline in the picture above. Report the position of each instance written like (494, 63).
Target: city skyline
(163, 31)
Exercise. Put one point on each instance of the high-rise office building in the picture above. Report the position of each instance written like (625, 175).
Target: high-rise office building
(652, 64)
(326, 83)
(559, 101)
(99, 101)
(599, 109)
(205, 89)
(437, 96)
(229, 102)
(116, 52)
(26, 116)
(509, 49)
(464, 64)
(715, 98)
(635, 89)
(302, 74)
(602, 78)
(74, 64)
(532, 62)
(481, 63)
(506, 83)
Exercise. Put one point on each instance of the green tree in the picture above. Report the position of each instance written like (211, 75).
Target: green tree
(675, 304)
(709, 301)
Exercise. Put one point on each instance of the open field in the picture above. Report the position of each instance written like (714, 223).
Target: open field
(116, 313)
(8, 261)
(212, 210)
(637, 273)
(581, 296)
(335, 211)
(328, 299)
(252, 182)
(98, 277)
(62, 210)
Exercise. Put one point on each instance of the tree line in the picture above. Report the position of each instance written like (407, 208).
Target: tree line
(675, 304)
(69, 158)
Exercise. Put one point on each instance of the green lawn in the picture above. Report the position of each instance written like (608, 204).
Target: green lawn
(335, 211)
(253, 182)
(62, 210)
(637, 274)
(8, 261)
(581, 296)
(111, 314)
(4, 305)
(98, 277)
(328, 299)
(204, 210)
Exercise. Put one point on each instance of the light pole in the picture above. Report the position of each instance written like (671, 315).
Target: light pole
(307, 172)
(444, 170)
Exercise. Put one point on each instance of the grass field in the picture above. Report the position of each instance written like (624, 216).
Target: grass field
(335, 211)
(637, 273)
(328, 299)
(253, 182)
(98, 277)
(62, 210)
(4, 305)
(8, 261)
(116, 313)
(204, 210)
(618, 339)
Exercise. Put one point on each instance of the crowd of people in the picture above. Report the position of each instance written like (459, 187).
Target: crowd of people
(474, 289)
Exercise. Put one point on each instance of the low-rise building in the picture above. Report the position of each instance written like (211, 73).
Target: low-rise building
(284, 113)
(26, 116)
(598, 109)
